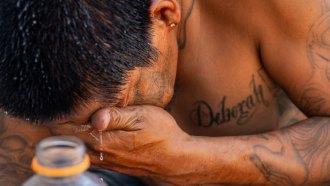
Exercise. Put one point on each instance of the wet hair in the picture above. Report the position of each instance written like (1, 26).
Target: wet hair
(56, 54)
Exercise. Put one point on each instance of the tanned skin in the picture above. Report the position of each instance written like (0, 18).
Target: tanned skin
(252, 74)
(17, 145)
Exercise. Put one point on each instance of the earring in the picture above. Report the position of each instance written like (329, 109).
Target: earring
(172, 25)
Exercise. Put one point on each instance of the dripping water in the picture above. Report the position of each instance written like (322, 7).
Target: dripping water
(101, 145)
(101, 149)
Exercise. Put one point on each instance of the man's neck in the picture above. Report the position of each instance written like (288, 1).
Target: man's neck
(186, 9)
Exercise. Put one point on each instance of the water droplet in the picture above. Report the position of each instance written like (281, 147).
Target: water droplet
(26, 7)
(15, 78)
(66, 11)
(20, 15)
(18, 4)
(5, 112)
(101, 144)
(101, 138)
(101, 179)
(27, 119)
(101, 156)
(34, 22)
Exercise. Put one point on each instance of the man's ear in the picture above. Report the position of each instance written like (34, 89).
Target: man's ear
(165, 13)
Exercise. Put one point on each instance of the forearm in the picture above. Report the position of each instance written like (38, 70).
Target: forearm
(299, 155)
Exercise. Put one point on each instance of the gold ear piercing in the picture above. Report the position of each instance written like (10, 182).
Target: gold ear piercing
(172, 25)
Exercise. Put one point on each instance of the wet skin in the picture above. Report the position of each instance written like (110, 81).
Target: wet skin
(242, 67)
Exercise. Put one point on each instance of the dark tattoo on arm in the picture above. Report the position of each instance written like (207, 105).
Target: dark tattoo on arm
(182, 39)
(312, 141)
(314, 98)
(303, 157)
(300, 154)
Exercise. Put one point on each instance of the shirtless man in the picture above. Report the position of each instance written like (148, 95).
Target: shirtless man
(242, 67)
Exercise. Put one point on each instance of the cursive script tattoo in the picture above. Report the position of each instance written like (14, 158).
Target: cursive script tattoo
(205, 116)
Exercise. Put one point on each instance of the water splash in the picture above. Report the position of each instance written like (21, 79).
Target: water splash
(18, 4)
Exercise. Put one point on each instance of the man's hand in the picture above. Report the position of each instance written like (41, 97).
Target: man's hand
(141, 140)
(146, 141)
(137, 140)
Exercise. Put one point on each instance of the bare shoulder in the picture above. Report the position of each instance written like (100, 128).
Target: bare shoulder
(294, 40)
(263, 18)
(287, 18)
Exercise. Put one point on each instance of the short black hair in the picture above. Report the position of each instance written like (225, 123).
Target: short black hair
(56, 54)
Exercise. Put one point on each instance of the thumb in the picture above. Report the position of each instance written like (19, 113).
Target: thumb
(128, 118)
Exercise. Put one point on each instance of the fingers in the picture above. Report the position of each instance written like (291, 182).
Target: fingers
(108, 119)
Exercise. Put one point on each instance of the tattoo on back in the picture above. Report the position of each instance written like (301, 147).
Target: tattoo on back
(205, 116)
